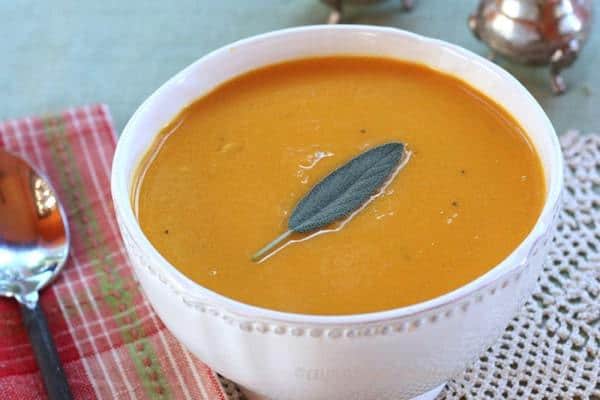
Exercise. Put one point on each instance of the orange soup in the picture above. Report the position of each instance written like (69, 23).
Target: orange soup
(222, 179)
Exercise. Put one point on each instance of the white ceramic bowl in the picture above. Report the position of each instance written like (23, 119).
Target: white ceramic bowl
(396, 354)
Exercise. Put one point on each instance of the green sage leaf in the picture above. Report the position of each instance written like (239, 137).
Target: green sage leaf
(342, 192)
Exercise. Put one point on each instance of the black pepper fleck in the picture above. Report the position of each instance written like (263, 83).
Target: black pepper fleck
(462, 172)
(166, 231)
(363, 130)
(454, 203)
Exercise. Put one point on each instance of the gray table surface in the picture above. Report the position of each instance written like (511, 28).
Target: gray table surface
(69, 52)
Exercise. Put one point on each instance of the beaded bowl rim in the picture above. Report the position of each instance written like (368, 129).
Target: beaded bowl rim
(182, 285)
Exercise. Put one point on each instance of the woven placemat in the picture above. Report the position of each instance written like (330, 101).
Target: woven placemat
(551, 349)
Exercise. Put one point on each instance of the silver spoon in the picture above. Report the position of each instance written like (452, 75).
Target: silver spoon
(34, 244)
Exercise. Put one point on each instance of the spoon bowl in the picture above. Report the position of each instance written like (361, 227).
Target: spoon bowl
(34, 245)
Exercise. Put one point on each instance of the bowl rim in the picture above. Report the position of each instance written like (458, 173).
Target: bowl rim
(193, 291)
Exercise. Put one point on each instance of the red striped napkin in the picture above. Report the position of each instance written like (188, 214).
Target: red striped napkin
(111, 343)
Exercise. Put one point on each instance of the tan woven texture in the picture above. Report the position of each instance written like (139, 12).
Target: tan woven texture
(551, 350)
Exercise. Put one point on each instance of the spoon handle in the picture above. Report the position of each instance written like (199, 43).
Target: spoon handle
(45, 352)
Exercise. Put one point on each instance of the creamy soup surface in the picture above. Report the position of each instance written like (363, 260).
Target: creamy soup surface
(223, 177)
